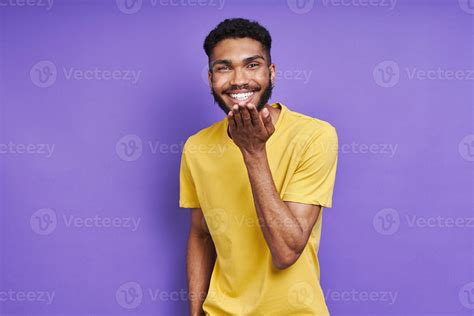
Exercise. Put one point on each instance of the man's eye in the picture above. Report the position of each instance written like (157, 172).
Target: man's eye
(253, 65)
(222, 68)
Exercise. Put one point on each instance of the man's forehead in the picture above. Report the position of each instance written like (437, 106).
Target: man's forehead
(237, 49)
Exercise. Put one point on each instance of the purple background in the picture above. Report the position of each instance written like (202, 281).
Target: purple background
(402, 221)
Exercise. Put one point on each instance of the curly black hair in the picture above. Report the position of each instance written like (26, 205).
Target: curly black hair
(238, 28)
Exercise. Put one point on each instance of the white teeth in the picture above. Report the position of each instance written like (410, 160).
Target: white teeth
(241, 96)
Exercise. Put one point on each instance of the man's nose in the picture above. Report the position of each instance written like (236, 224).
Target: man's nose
(239, 78)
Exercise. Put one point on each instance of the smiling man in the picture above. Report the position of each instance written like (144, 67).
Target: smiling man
(256, 207)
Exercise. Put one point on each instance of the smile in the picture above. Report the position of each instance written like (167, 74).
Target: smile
(241, 96)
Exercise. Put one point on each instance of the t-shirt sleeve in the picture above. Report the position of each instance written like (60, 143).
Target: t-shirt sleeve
(313, 180)
(187, 189)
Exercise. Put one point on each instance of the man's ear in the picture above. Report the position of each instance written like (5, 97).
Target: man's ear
(209, 77)
(272, 69)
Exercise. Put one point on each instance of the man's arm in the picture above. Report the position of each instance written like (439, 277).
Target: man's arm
(200, 259)
(286, 226)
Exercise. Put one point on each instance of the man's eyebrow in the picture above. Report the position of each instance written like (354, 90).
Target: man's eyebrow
(228, 62)
(221, 61)
(252, 58)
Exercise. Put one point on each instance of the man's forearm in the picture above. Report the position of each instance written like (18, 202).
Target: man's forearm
(282, 231)
(200, 262)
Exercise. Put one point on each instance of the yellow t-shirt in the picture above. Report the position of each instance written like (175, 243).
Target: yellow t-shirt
(302, 155)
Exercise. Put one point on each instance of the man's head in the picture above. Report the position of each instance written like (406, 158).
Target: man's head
(240, 67)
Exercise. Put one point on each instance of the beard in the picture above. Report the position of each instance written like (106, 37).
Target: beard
(266, 95)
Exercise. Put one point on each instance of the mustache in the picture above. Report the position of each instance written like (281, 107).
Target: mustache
(242, 87)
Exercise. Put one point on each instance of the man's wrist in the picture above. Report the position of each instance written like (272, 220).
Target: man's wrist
(254, 156)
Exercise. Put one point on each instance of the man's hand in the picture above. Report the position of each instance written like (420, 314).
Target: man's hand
(250, 129)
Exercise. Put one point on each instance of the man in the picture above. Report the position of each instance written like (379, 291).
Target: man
(256, 182)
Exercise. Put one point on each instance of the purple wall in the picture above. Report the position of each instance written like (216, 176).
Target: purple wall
(98, 97)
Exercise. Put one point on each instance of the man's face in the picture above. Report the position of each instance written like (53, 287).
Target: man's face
(240, 73)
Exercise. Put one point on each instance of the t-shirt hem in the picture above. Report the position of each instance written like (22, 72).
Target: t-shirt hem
(185, 204)
(305, 200)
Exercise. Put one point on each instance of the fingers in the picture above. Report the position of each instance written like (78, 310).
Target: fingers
(246, 119)
(248, 116)
(237, 116)
(267, 121)
(254, 115)
(230, 118)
